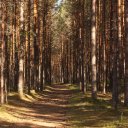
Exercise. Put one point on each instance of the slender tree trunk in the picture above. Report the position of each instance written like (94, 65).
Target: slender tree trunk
(93, 45)
(126, 54)
(21, 62)
(2, 53)
(114, 40)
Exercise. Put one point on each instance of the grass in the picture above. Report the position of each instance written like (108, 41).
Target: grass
(86, 113)
(37, 110)
(41, 110)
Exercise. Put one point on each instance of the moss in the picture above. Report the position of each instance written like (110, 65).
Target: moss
(85, 112)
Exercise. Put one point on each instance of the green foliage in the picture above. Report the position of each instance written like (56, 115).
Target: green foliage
(61, 26)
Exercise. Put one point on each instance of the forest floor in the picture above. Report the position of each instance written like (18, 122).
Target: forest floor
(87, 113)
(46, 110)
(61, 106)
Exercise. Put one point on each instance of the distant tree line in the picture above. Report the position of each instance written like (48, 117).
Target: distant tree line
(95, 53)
(84, 42)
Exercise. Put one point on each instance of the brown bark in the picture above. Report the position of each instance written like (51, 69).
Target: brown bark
(93, 46)
(126, 54)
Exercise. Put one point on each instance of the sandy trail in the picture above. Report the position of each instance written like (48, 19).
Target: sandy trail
(49, 111)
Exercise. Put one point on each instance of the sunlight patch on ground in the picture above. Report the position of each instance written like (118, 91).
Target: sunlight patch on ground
(85, 112)
(4, 116)
(18, 118)
(9, 117)
(43, 110)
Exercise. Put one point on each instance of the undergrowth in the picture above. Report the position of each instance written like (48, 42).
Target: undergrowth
(87, 113)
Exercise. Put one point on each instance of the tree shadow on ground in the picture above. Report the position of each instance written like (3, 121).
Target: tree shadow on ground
(45, 110)
(85, 112)
(4, 124)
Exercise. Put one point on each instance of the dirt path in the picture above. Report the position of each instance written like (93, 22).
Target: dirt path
(49, 111)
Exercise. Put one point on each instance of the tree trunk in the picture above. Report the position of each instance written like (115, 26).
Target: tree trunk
(126, 54)
(93, 46)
